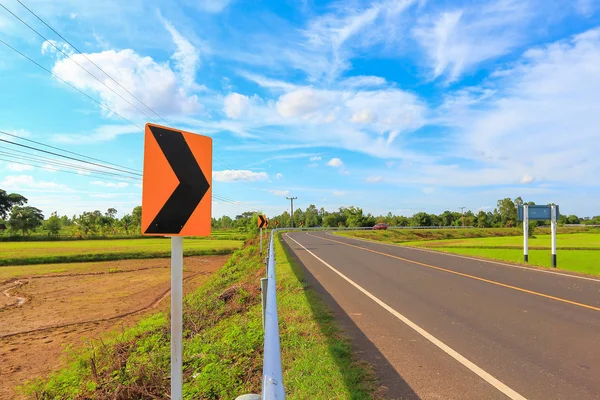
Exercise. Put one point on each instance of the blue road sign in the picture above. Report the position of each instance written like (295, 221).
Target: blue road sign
(537, 213)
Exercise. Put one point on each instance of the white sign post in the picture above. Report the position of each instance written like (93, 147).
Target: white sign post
(553, 223)
(260, 240)
(176, 317)
(525, 233)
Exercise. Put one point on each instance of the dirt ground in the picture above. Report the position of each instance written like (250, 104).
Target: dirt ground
(41, 315)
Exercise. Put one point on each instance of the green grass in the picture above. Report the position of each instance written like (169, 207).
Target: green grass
(408, 235)
(25, 253)
(584, 261)
(222, 345)
(589, 241)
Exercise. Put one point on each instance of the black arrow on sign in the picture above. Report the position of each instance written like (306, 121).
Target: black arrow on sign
(262, 221)
(192, 183)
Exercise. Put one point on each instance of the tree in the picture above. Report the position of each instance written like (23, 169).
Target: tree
(421, 219)
(573, 219)
(86, 223)
(25, 219)
(126, 222)
(482, 220)
(53, 224)
(111, 213)
(447, 218)
(8, 201)
(508, 211)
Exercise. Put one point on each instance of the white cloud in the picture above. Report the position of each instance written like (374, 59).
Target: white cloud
(240, 175)
(57, 48)
(100, 134)
(16, 167)
(338, 193)
(374, 179)
(155, 84)
(280, 192)
(313, 165)
(186, 58)
(235, 105)
(527, 179)
(279, 176)
(363, 117)
(304, 102)
(335, 162)
(362, 81)
(118, 185)
(267, 82)
(456, 41)
(16, 182)
(315, 158)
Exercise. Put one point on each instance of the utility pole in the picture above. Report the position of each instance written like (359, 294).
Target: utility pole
(462, 209)
(291, 199)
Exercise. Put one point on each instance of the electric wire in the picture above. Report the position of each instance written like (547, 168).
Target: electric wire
(72, 86)
(87, 58)
(74, 61)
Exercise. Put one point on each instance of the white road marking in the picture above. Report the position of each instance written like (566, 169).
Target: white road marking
(510, 393)
(466, 257)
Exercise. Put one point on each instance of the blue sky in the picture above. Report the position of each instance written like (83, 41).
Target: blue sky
(398, 106)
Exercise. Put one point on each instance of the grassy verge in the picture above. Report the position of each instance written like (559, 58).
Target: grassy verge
(27, 253)
(409, 235)
(222, 345)
(583, 261)
(317, 357)
(584, 241)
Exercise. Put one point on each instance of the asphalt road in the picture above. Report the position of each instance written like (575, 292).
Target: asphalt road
(438, 326)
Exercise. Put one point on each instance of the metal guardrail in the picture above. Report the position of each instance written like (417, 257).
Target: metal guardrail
(272, 382)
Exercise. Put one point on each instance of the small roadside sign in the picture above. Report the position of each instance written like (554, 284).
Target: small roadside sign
(262, 221)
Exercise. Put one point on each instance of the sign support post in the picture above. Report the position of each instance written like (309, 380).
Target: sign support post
(260, 240)
(553, 229)
(525, 233)
(176, 317)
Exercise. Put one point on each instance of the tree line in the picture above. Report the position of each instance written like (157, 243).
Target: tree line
(22, 219)
(503, 215)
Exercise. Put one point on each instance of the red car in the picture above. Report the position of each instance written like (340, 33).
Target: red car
(380, 226)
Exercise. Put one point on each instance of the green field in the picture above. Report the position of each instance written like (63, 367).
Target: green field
(22, 253)
(585, 261)
(578, 252)
(563, 241)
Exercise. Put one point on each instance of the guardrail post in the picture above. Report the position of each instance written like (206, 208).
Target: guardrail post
(264, 284)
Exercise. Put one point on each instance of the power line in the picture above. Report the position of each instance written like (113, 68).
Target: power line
(68, 157)
(69, 152)
(87, 58)
(62, 164)
(64, 81)
(63, 170)
(70, 58)
(86, 70)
